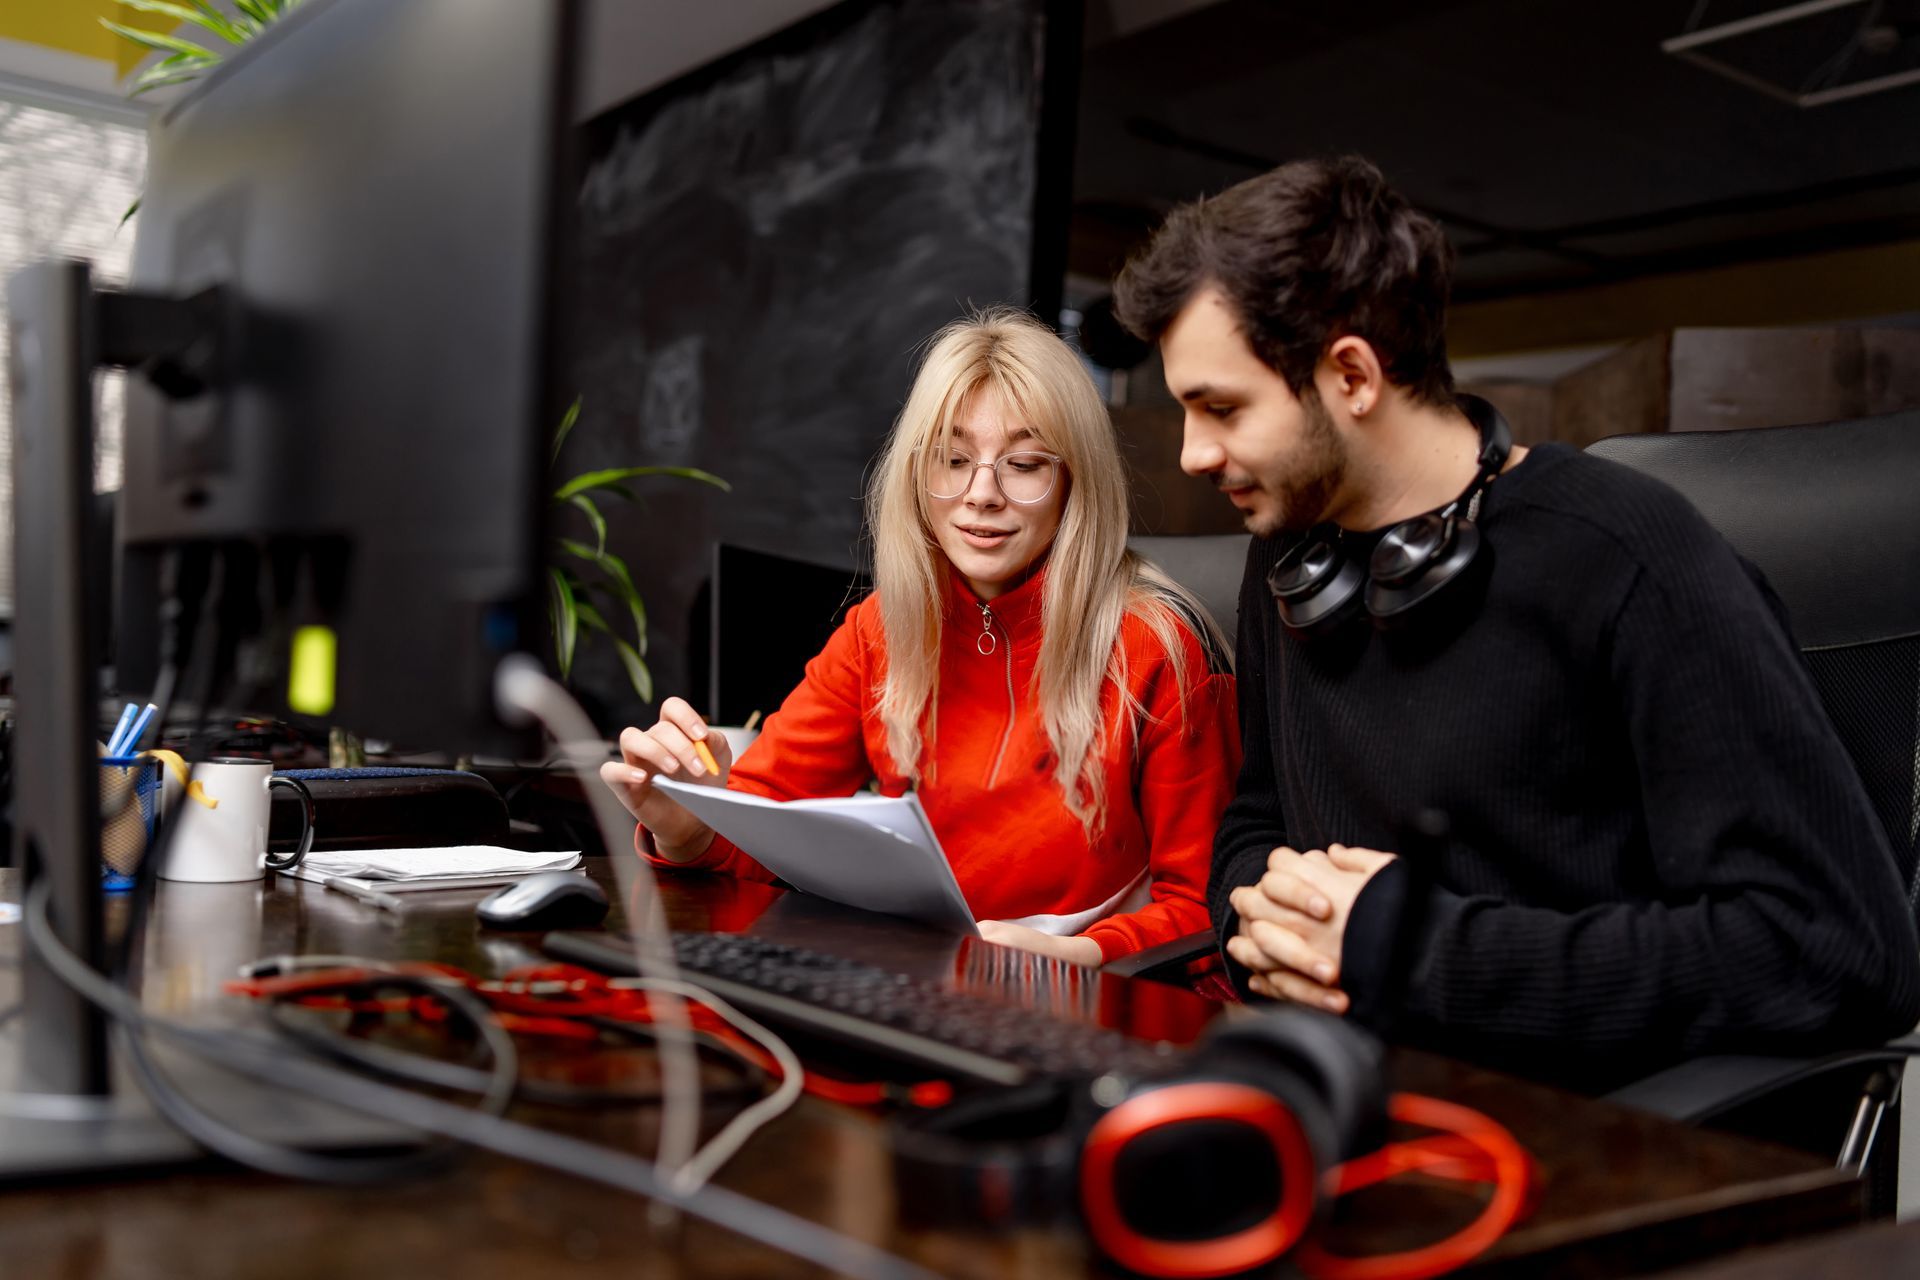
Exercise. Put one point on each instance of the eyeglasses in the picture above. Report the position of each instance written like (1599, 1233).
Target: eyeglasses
(1025, 478)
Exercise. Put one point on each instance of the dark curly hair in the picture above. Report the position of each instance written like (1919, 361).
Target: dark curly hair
(1307, 253)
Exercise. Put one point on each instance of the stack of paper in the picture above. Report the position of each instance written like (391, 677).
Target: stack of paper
(874, 852)
(443, 868)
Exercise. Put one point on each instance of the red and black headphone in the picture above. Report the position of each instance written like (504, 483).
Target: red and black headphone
(1213, 1170)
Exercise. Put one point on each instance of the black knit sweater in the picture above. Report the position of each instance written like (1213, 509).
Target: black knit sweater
(1659, 847)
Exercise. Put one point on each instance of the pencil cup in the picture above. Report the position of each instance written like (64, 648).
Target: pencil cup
(226, 840)
(129, 810)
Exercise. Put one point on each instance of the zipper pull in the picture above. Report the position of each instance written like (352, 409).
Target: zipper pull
(986, 642)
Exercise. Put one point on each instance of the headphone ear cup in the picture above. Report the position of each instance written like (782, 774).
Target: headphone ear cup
(1416, 561)
(1316, 587)
(1340, 1068)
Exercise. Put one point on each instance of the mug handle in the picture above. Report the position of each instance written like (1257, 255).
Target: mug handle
(288, 861)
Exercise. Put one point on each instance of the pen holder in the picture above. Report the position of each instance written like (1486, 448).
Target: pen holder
(129, 811)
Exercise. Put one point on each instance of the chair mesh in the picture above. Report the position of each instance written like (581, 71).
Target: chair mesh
(1872, 694)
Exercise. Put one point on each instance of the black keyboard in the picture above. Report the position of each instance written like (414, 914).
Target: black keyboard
(955, 1033)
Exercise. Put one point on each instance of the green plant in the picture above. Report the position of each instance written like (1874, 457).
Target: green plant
(584, 574)
(186, 60)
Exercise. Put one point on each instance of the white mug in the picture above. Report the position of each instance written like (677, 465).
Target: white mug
(228, 842)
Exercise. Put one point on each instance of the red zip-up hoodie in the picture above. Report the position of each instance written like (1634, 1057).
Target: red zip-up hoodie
(989, 789)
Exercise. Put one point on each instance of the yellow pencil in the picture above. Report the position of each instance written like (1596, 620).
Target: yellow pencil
(706, 757)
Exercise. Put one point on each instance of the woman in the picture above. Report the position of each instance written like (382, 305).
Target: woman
(1058, 703)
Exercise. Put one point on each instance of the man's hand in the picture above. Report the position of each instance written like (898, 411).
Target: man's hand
(1075, 950)
(1293, 920)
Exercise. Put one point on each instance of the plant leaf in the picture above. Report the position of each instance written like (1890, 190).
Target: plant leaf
(200, 15)
(587, 480)
(567, 420)
(637, 674)
(162, 42)
(598, 521)
(151, 79)
(131, 210)
(567, 614)
(616, 570)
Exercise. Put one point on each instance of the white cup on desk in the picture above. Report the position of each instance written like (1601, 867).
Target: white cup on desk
(227, 842)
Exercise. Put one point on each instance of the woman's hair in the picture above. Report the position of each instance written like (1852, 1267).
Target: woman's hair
(1093, 581)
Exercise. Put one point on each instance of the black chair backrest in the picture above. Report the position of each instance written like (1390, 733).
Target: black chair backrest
(1208, 565)
(1831, 514)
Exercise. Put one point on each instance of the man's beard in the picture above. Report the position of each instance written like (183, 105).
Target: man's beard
(1302, 485)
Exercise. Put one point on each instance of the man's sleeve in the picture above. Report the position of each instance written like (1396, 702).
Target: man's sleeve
(1253, 824)
(1772, 919)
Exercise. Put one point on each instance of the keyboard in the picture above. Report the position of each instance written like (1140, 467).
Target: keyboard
(955, 1033)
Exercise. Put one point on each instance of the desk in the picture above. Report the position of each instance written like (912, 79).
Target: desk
(1621, 1191)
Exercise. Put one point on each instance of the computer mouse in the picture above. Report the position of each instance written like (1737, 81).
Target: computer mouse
(545, 900)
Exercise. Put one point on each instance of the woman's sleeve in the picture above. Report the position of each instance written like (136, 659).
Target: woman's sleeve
(812, 746)
(1189, 754)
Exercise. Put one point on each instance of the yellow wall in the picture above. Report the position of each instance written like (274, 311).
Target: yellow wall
(73, 26)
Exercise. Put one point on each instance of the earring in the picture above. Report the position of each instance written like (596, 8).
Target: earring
(1359, 406)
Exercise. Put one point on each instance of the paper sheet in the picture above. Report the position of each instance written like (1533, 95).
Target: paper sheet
(453, 861)
(878, 853)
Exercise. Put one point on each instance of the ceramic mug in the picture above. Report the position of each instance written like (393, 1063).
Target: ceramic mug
(228, 842)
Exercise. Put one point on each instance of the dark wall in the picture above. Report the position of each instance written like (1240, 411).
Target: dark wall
(762, 248)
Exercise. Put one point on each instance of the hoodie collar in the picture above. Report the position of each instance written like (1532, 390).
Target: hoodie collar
(1017, 612)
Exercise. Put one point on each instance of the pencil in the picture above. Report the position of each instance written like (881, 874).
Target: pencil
(706, 757)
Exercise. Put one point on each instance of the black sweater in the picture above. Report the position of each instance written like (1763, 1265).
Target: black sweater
(1659, 846)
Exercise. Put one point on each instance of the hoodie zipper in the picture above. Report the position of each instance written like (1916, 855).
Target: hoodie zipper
(985, 644)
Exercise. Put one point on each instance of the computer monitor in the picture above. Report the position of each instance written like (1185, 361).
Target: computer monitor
(768, 616)
(374, 187)
(341, 325)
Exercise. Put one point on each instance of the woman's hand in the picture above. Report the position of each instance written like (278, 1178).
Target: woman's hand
(1076, 950)
(667, 751)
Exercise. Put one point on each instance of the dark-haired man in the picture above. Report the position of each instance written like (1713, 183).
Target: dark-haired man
(1658, 846)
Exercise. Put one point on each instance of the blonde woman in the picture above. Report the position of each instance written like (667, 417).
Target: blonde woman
(1059, 704)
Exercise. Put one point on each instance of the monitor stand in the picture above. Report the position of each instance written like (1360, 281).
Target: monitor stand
(65, 1112)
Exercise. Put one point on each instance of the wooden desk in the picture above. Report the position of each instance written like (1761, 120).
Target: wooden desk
(1621, 1191)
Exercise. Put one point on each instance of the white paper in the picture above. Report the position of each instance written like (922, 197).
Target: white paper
(453, 861)
(878, 853)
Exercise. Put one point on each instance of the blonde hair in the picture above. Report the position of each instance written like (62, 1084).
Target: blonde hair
(1093, 581)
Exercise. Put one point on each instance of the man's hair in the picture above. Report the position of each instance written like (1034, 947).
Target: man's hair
(1307, 253)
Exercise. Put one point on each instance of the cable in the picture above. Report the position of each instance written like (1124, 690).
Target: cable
(1475, 1149)
(524, 691)
(762, 1223)
(721, 1147)
(295, 1162)
(436, 1073)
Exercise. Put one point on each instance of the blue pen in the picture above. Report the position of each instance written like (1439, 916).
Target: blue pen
(132, 741)
(113, 739)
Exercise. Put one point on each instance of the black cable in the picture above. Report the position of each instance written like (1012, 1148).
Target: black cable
(296, 1162)
(414, 1068)
(179, 1109)
(763, 1223)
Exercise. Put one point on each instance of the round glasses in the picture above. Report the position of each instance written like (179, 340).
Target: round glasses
(1023, 477)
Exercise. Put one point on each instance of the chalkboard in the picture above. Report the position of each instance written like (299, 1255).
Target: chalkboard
(762, 247)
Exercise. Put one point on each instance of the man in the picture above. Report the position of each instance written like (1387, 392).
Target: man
(1658, 846)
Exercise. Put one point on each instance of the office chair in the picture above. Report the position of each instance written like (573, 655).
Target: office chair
(1209, 565)
(1828, 513)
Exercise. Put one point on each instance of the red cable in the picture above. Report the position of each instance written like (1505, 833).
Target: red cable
(1471, 1148)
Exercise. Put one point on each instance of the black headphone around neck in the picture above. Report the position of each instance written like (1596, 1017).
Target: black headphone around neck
(1317, 587)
